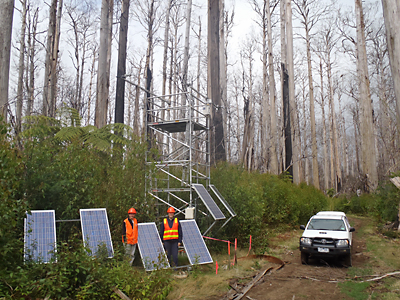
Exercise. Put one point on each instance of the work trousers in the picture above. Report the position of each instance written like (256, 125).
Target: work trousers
(171, 246)
(130, 252)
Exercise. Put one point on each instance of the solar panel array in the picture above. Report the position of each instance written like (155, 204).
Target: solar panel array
(40, 235)
(194, 244)
(150, 247)
(96, 230)
(208, 202)
(222, 199)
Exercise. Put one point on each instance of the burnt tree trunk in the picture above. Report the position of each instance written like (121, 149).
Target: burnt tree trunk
(121, 69)
(214, 92)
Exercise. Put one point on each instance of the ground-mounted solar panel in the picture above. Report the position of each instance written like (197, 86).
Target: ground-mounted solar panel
(40, 235)
(194, 244)
(208, 202)
(150, 246)
(222, 199)
(96, 230)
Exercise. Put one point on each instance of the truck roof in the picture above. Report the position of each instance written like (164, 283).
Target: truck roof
(331, 213)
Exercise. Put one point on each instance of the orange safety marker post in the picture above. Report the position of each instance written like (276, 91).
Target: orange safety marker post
(249, 246)
(216, 267)
(229, 253)
(235, 258)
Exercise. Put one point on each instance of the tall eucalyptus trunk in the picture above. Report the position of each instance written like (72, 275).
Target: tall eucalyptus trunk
(102, 69)
(21, 67)
(6, 20)
(369, 166)
(324, 140)
(285, 94)
(391, 13)
(213, 80)
(50, 75)
(295, 130)
(272, 101)
(121, 70)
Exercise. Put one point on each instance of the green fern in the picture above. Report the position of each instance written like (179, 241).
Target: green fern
(40, 127)
(67, 129)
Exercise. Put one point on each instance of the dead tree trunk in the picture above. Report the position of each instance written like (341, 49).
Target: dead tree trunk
(121, 71)
(21, 66)
(31, 59)
(391, 13)
(285, 93)
(367, 132)
(165, 55)
(217, 139)
(102, 92)
(6, 20)
(337, 178)
(148, 71)
(314, 151)
(295, 130)
(50, 75)
(272, 101)
(223, 72)
(324, 141)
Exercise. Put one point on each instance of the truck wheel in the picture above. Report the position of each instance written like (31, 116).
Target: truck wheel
(347, 260)
(304, 258)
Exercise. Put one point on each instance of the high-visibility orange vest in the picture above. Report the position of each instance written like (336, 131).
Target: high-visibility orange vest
(171, 233)
(131, 233)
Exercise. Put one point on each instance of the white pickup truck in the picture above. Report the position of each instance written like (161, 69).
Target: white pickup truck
(327, 234)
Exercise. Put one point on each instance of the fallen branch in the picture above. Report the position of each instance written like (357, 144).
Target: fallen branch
(315, 279)
(252, 283)
(381, 277)
(121, 294)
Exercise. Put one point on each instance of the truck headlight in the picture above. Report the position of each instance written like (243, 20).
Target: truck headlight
(342, 243)
(305, 241)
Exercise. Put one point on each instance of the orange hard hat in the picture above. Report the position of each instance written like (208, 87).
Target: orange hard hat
(132, 211)
(171, 210)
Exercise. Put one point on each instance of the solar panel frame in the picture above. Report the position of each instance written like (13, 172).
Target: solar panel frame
(193, 242)
(91, 239)
(44, 251)
(222, 199)
(149, 239)
(209, 202)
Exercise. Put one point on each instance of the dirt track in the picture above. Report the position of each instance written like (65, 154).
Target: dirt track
(318, 280)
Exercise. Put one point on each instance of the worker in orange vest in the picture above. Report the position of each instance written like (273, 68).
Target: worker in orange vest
(130, 234)
(171, 235)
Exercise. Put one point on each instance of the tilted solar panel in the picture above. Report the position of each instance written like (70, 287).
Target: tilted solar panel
(150, 247)
(96, 230)
(208, 202)
(222, 199)
(40, 235)
(193, 243)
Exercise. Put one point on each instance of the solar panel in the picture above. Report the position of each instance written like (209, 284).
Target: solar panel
(193, 243)
(40, 235)
(222, 199)
(96, 230)
(208, 202)
(150, 247)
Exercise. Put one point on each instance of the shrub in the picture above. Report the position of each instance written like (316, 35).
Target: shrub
(262, 202)
(387, 202)
(12, 205)
(76, 275)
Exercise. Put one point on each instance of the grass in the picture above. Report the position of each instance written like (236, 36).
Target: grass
(356, 290)
(383, 258)
(203, 281)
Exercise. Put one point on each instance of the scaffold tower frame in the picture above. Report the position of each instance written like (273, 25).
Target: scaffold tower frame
(178, 125)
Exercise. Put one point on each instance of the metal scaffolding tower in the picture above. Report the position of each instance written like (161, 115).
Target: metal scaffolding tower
(179, 126)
